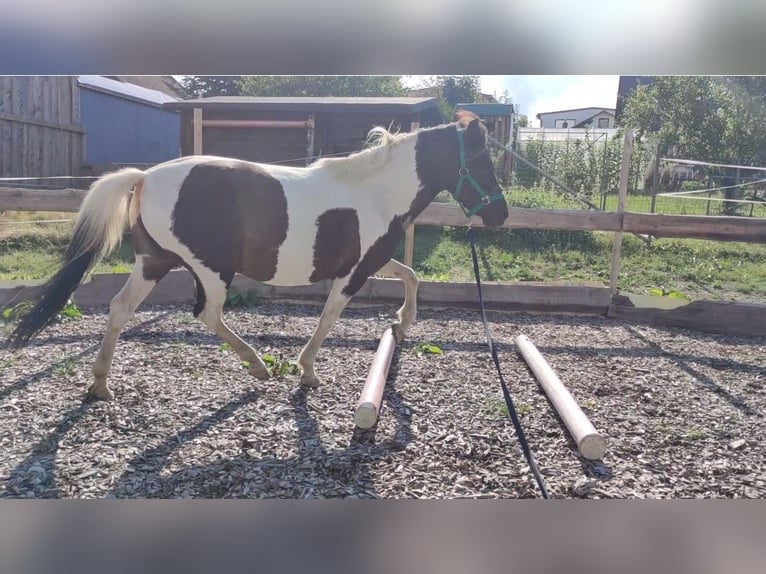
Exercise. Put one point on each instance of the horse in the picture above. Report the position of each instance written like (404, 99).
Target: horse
(339, 219)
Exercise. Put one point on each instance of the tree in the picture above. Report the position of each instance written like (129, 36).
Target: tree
(522, 121)
(317, 86)
(714, 119)
(453, 90)
(208, 86)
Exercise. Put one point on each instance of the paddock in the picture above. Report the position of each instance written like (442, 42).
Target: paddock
(680, 410)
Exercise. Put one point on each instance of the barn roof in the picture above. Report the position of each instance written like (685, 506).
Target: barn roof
(308, 104)
(124, 90)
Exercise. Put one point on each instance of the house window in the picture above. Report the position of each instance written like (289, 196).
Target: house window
(603, 122)
(568, 123)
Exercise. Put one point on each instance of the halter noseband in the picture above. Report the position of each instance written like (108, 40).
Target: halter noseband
(465, 175)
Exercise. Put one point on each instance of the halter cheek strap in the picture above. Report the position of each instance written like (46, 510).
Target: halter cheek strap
(465, 175)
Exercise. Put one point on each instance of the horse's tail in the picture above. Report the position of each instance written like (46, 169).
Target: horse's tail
(98, 231)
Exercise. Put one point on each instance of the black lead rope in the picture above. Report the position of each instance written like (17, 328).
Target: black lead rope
(506, 394)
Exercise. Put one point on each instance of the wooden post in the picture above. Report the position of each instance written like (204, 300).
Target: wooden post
(197, 131)
(622, 193)
(589, 442)
(368, 407)
(655, 178)
(409, 233)
(310, 136)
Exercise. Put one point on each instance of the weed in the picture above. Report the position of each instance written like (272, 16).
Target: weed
(665, 293)
(70, 311)
(7, 363)
(279, 366)
(247, 299)
(496, 407)
(695, 434)
(428, 349)
(11, 314)
(224, 347)
(523, 409)
(66, 366)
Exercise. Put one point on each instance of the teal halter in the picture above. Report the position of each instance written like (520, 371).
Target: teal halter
(465, 175)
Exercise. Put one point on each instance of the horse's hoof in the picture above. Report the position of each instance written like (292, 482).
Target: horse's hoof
(101, 393)
(259, 373)
(311, 381)
(398, 333)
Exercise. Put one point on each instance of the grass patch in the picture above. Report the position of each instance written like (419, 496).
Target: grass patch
(29, 255)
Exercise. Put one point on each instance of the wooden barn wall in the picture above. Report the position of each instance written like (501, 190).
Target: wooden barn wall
(40, 129)
(335, 132)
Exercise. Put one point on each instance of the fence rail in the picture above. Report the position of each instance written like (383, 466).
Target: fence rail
(717, 228)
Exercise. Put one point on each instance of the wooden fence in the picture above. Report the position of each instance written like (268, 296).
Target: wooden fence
(714, 316)
(716, 228)
(40, 131)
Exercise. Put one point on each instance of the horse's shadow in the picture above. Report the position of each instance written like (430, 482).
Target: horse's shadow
(314, 472)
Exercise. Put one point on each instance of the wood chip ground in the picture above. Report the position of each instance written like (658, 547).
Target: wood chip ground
(682, 412)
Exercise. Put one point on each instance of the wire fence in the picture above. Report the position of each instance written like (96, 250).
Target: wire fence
(588, 161)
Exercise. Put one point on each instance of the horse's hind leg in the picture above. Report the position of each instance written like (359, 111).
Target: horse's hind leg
(211, 296)
(408, 311)
(121, 310)
(333, 307)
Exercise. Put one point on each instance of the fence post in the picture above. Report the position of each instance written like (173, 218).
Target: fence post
(655, 178)
(197, 131)
(310, 141)
(622, 193)
(409, 233)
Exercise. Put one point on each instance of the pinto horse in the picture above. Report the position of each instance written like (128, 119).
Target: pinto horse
(339, 219)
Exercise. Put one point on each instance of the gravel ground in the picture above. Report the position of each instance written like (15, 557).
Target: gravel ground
(681, 411)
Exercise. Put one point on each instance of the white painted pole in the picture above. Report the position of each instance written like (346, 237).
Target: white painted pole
(589, 442)
(368, 407)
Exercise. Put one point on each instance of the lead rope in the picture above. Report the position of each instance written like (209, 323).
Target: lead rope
(506, 393)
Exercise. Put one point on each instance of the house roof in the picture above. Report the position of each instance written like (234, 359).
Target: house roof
(600, 110)
(307, 104)
(124, 90)
(598, 113)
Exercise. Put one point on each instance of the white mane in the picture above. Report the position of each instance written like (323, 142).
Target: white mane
(359, 165)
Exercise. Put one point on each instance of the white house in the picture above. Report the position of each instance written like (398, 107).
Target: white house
(578, 118)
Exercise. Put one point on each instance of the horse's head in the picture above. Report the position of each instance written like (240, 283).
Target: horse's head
(476, 187)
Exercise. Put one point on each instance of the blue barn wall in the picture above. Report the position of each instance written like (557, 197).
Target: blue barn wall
(119, 130)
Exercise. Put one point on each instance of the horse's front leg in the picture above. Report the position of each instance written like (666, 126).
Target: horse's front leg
(409, 309)
(333, 307)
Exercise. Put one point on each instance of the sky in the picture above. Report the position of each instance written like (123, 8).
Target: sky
(535, 94)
